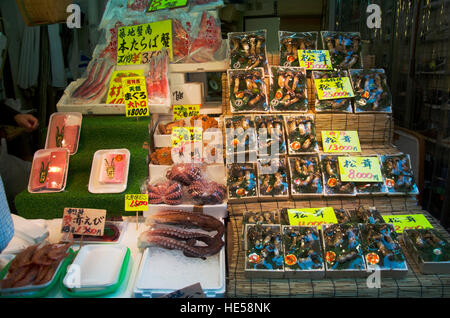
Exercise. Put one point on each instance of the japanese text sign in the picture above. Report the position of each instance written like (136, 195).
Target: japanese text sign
(408, 221)
(360, 169)
(136, 202)
(311, 216)
(83, 221)
(340, 141)
(115, 92)
(185, 135)
(333, 88)
(185, 111)
(166, 4)
(135, 96)
(315, 59)
(135, 39)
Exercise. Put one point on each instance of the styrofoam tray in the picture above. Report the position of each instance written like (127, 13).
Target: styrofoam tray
(99, 265)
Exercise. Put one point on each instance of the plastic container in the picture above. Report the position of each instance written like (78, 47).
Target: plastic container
(309, 184)
(49, 170)
(109, 171)
(372, 93)
(288, 89)
(273, 183)
(242, 182)
(64, 131)
(301, 133)
(291, 42)
(398, 175)
(247, 50)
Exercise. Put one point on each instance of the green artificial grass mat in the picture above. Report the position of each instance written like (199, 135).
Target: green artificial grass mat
(97, 132)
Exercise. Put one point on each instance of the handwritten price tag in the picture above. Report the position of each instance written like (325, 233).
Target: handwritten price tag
(133, 40)
(185, 135)
(135, 96)
(115, 92)
(333, 88)
(166, 4)
(83, 221)
(315, 59)
(185, 111)
(311, 216)
(408, 222)
(340, 141)
(360, 169)
(136, 202)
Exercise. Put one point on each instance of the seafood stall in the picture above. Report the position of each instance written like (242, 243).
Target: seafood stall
(239, 195)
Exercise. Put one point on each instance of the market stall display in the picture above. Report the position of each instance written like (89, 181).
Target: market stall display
(332, 179)
(242, 182)
(371, 90)
(247, 49)
(344, 47)
(291, 42)
(273, 179)
(331, 105)
(270, 134)
(301, 133)
(306, 176)
(248, 90)
(240, 134)
(288, 89)
(397, 174)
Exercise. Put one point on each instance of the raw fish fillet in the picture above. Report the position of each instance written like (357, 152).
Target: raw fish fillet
(39, 165)
(62, 136)
(113, 168)
(56, 170)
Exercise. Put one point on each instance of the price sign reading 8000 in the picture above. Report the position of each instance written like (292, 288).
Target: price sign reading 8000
(135, 96)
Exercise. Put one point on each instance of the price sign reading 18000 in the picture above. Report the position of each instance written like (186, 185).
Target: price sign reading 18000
(135, 96)
(333, 88)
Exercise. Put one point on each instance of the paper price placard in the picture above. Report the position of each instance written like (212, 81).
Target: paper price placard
(185, 111)
(315, 59)
(186, 135)
(360, 169)
(83, 221)
(333, 88)
(136, 202)
(340, 141)
(311, 216)
(135, 96)
(166, 4)
(115, 92)
(407, 222)
(133, 40)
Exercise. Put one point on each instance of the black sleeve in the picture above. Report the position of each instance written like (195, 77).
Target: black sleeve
(7, 115)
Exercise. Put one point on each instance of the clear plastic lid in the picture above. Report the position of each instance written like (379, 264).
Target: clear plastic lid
(64, 131)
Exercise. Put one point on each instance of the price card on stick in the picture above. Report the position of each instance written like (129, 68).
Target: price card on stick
(315, 59)
(312, 216)
(407, 222)
(340, 141)
(333, 88)
(136, 203)
(135, 96)
(360, 169)
(84, 221)
(185, 111)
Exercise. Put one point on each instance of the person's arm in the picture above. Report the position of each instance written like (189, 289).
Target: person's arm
(9, 116)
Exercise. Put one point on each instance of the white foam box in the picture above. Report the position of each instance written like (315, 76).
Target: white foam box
(187, 93)
(177, 78)
(215, 173)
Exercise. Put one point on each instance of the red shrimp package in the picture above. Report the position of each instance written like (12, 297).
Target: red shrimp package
(64, 131)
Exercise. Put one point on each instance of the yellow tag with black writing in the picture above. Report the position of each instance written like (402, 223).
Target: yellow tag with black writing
(333, 88)
(115, 92)
(186, 135)
(185, 111)
(340, 141)
(407, 222)
(315, 59)
(312, 216)
(135, 96)
(136, 202)
(360, 169)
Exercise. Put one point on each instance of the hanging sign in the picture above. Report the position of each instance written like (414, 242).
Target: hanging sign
(311, 216)
(135, 96)
(340, 141)
(185, 111)
(360, 169)
(83, 221)
(407, 222)
(136, 202)
(333, 88)
(133, 40)
(115, 92)
(315, 59)
(156, 5)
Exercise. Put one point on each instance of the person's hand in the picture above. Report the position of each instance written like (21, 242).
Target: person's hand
(27, 121)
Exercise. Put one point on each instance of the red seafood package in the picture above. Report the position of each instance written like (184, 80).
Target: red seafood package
(49, 170)
(64, 131)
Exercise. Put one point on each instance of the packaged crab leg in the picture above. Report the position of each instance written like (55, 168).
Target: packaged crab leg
(306, 176)
(291, 42)
(157, 81)
(270, 130)
(247, 49)
(344, 48)
(343, 105)
(398, 175)
(273, 180)
(371, 91)
(247, 90)
(301, 134)
(332, 178)
(242, 182)
(288, 89)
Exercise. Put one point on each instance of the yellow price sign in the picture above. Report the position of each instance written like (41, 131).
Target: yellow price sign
(340, 141)
(408, 222)
(115, 92)
(135, 96)
(133, 40)
(315, 59)
(312, 216)
(333, 88)
(186, 135)
(185, 111)
(360, 169)
(136, 202)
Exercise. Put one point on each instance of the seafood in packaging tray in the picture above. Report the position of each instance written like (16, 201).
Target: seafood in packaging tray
(264, 254)
(344, 47)
(247, 49)
(273, 179)
(247, 90)
(291, 42)
(242, 182)
(343, 105)
(429, 249)
(371, 91)
(332, 178)
(365, 215)
(270, 133)
(306, 176)
(301, 132)
(382, 250)
(241, 134)
(64, 131)
(342, 250)
(398, 175)
(288, 89)
(303, 256)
